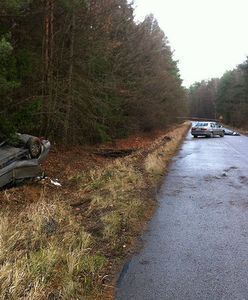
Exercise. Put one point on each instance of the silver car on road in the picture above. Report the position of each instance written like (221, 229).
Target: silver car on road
(207, 129)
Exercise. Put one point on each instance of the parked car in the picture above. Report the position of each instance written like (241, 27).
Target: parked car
(207, 129)
(21, 157)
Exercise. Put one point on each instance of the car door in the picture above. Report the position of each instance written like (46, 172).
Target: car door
(219, 129)
(213, 128)
(216, 129)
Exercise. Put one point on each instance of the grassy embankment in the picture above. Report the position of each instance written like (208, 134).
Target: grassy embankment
(68, 245)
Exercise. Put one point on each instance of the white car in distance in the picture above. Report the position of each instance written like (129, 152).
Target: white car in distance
(207, 129)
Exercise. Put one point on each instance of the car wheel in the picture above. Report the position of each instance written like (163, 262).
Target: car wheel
(34, 146)
(222, 134)
(211, 135)
(195, 136)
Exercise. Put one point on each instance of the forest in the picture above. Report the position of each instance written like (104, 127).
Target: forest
(79, 71)
(225, 97)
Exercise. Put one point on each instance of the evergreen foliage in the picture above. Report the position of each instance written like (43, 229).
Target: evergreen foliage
(226, 97)
(81, 71)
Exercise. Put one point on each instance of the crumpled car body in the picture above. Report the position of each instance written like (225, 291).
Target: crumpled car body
(230, 132)
(22, 160)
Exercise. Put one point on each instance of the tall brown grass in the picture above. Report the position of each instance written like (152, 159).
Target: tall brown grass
(46, 252)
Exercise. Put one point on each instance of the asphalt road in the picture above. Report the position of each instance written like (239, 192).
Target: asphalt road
(196, 246)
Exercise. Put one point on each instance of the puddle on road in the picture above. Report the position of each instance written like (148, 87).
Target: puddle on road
(123, 273)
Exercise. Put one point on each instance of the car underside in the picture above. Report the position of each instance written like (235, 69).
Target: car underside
(21, 158)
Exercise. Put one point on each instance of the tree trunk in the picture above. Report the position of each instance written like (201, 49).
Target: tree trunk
(70, 80)
(47, 76)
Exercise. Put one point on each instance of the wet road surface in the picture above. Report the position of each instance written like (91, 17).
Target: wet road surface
(196, 246)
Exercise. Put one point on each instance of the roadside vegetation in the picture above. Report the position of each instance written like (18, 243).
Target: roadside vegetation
(70, 243)
(83, 71)
(225, 97)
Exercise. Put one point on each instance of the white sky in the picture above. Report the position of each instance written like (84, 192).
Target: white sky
(209, 36)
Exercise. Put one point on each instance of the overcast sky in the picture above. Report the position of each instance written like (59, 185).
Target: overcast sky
(208, 36)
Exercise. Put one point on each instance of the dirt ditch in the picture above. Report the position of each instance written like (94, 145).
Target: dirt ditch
(96, 214)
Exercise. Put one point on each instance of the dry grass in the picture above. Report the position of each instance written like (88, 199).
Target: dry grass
(157, 161)
(113, 195)
(46, 254)
(67, 245)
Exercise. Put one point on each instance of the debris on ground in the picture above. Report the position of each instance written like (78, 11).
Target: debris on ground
(228, 131)
(101, 205)
(114, 152)
(55, 182)
(63, 163)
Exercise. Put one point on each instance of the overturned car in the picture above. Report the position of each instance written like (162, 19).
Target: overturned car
(21, 157)
(230, 132)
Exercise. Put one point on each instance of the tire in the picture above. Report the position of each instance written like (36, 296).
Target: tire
(222, 134)
(34, 146)
(211, 135)
(195, 136)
